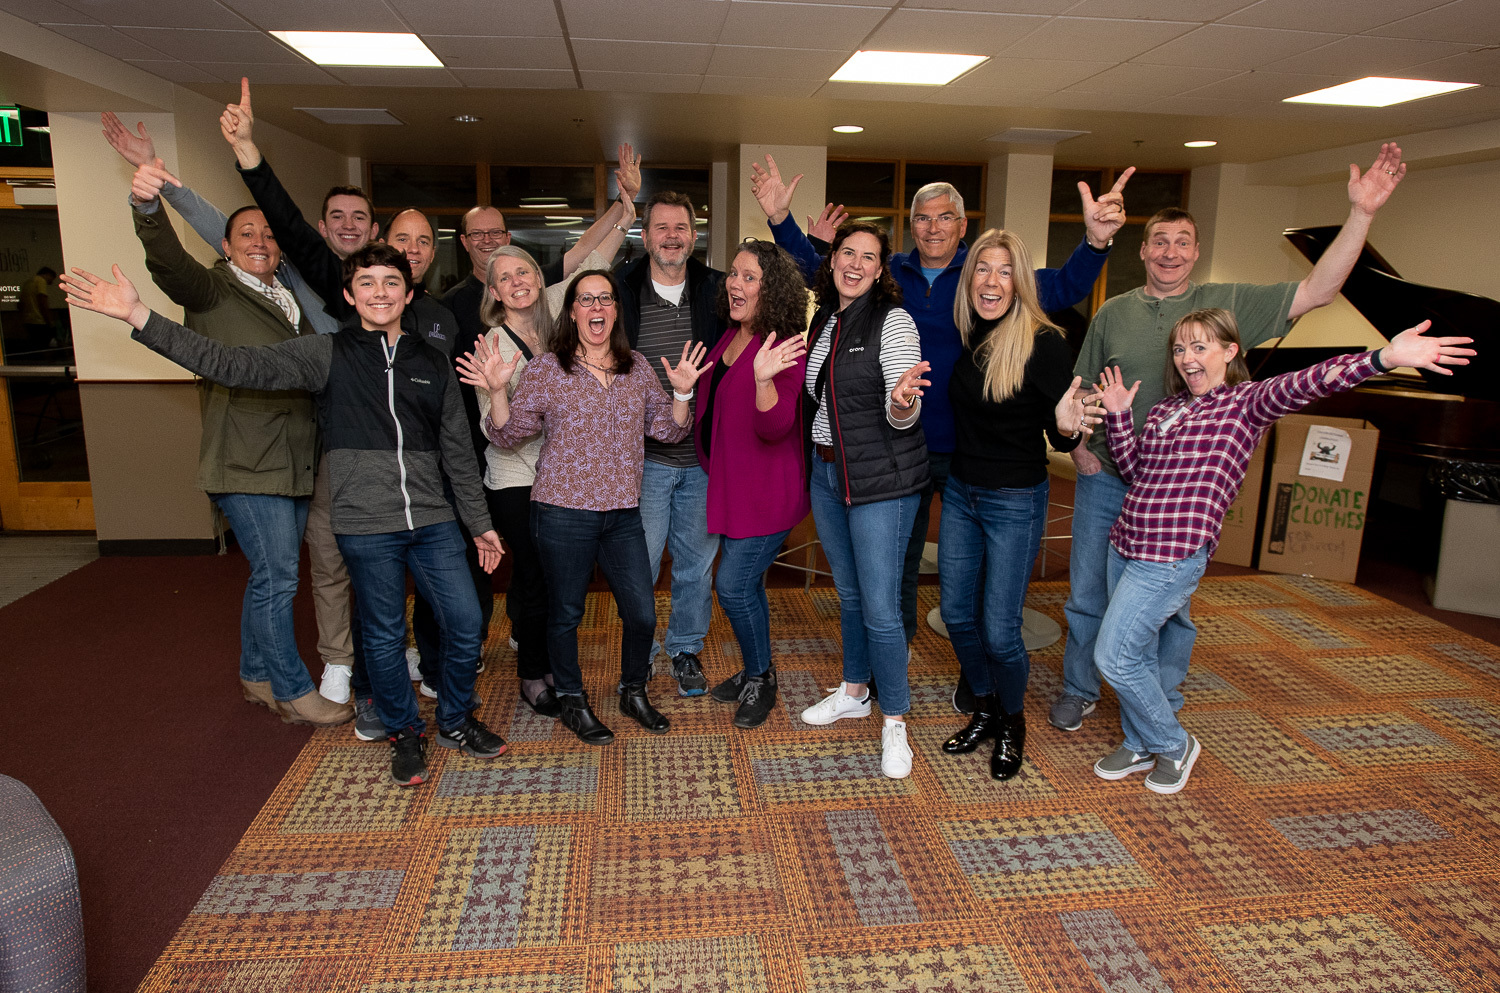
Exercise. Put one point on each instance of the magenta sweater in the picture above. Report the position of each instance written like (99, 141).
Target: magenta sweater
(756, 482)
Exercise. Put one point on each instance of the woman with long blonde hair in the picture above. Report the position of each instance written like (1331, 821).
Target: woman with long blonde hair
(1013, 383)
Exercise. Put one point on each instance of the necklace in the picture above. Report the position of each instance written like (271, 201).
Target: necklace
(609, 374)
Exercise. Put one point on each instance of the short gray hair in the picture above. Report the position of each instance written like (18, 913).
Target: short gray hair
(934, 190)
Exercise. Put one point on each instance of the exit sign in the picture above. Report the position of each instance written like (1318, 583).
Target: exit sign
(10, 125)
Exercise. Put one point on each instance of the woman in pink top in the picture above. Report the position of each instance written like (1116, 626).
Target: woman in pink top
(749, 440)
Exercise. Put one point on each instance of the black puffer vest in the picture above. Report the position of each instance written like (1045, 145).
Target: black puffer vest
(874, 460)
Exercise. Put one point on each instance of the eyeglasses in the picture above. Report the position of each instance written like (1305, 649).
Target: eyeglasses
(589, 299)
(494, 234)
(942, 220)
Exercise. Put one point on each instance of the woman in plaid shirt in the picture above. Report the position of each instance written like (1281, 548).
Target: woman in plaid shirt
(1183, 472)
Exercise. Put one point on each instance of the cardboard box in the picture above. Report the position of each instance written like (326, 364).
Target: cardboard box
(1318, 496)
(1241, 532)
(1468, 571)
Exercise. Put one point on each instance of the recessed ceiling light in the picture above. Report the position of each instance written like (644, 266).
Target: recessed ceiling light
(912, 68)
(360, 48)
(466, 118)
(848, 128)
(1378, 91)
(1199, 144)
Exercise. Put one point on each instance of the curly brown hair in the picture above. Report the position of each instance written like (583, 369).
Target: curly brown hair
(885, 291)
(782, 307)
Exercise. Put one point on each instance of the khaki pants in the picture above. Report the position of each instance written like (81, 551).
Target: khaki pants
(330, 580)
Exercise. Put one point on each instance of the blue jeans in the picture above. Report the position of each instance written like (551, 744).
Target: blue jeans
(865, 545)
(1143, 596)
(1097, 500)
(938, 464)
(377, 565)
(741, 582)
(569, 542)
(674, 511)
(269, 531)
(987, 546)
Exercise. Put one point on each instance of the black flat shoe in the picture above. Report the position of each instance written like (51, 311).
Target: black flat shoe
(635, 704)
(984, 724)
(1010, 743)
(576, 716)
(545, 704)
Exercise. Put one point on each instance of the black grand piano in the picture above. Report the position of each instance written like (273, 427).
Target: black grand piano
(1422, 421)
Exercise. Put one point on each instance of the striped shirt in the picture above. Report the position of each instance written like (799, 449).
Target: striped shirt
(900, 349)
(664, 329)
(1186, 467)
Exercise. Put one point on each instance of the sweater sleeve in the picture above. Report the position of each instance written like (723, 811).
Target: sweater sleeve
(299, 240)
(1060, 288)
(791, 238)
(900, 349)
(181, 277)
(659, 422)
(296, 364)
(528, 405)
(206, 220)
(1122, 442)
(458, 461)
(1281, 395)
(772, 425)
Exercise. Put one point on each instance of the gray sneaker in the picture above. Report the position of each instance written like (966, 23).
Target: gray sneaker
(688, 672)
(1068, 711)
(367, 725)
(1170, 775)
(1122, 762)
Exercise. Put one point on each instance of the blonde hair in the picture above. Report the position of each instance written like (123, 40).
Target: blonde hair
(1004, 354)
(492, 312)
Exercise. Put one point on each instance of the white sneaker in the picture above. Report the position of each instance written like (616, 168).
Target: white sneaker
(834, 706)
(413, 664)
(428, 691)
(335, 684)
(895, 753)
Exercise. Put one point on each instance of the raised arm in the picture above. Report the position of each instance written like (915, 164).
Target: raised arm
(775, 199)
(1367, 194)
(1117, 398)
(608, 232)
(1060, 288)
(181, 277)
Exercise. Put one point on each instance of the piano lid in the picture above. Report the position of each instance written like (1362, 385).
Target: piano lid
(1393, 304)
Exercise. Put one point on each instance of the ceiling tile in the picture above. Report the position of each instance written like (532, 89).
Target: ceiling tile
(324, 15)
(791, 63)
(107, 40)
(1473, 22)
(1472, 67)
(1201, 11)
(596, 54)
(1343, 18)
(828, 26)
(1149, 82)
(520, 79)
(1068, 100)
(382, 76)
(872, 3)
(1193, 105)
(177, 72)
(1266, 87)
(270, 74)
(515, 18)
(1042, 75)
(642, 82)
(45, 12)
(199, 45)
(758, 86)
(1361, 55)
(664, 20)
(972, 97)
(951, 31)
(1095, 39)
(475, 52)
(1223, 46)
(988, 6)
(148, 13)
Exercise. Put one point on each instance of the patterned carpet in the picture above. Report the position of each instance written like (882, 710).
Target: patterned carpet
(1341, 834)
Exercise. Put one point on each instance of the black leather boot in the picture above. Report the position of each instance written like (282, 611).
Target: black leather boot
(984, 724)
(578, 718)
(634, 704)
(1010, 742)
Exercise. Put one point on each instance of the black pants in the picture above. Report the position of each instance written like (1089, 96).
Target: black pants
(526, 599)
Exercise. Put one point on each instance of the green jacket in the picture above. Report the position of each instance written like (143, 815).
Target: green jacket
(254, 441)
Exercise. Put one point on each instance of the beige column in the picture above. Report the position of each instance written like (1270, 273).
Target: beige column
(809, 160)
(1018, 197)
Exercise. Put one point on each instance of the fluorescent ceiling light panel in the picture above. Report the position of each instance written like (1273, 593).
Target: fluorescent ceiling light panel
(848, 128)
(1378, 91)
(360, 48)
(912, 68)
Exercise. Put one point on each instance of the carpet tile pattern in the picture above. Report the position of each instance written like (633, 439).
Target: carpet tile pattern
(1340, 834)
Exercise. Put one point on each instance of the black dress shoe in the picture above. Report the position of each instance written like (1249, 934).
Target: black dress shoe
(634, 704)
(984, 724)
(545, 704)
(1010, 742)
(757, 699)
(575, 715)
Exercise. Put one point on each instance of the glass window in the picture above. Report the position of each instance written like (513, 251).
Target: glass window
(967, 179)
(562, 187)
(692, 181)
(35, 149)
(1125, 271)
(863, 184)
(395, 186)
(1065, 190)
(547, 239)
(1148, 192)
(450, 263)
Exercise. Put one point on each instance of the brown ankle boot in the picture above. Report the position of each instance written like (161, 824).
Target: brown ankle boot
(259, 692)
(315, 709)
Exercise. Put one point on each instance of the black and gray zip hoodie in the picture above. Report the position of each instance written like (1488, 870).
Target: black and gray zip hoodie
(391, 428)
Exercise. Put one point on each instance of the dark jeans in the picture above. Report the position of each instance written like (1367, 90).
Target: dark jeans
(569, 542)
(526, 599)
(377, 566)
(742, 594)
(938, 463)
(424, 623)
